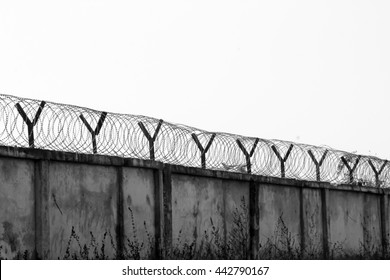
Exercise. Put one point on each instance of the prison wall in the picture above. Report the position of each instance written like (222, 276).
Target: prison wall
(56, 205)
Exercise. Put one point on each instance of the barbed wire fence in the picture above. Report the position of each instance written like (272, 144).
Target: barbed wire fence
(47, 125)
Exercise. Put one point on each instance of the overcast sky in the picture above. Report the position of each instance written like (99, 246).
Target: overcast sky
(315, 72)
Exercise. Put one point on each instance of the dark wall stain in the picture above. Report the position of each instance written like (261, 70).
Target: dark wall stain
(195, 233)
(29, 239)
(9, 236)
(128, 200)
(8, 169)
(195, 210)
(148, 200)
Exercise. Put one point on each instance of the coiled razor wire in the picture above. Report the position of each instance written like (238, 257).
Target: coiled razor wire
(46, 125)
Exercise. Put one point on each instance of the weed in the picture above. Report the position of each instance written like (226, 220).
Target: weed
(23, 255)
(216, 244)
(133, 247)
(86, 251)
(282, 245)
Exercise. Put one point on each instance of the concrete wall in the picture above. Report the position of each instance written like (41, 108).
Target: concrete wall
(385, 221)
(139, 208)
(355, 223)
(17, 218)
(83, 197)
(205, 209)
(63, 205)
(312, 223)
(279, 217)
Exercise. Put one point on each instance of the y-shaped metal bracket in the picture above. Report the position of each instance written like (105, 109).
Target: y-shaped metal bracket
(248, 155)
(30, 124)
(95, 132)
(351, 170)
(150, 138)
(318, 164)
(203, 150)
(377, 173)
(282, 160)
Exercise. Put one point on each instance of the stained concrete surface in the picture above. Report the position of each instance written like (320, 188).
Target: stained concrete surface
(312, 219)
(84, 197)
(17, 217)
(138, 195)
(346, 222)
(279, 217)
(203, 208)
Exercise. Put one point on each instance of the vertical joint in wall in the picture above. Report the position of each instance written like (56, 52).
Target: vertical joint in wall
(385, 226)
(42, 214)
(158, 213)
(167, 212)
(302, 222)
(325, 223)
(254, 219)
(120, 228)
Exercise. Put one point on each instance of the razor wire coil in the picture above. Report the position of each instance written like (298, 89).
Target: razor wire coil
(47, 125)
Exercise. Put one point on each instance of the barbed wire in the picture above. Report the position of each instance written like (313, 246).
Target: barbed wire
(47, 125)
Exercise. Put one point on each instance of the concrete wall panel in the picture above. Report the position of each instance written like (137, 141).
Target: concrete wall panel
(279, 221)
(372, 235)
(17, 213)
(312, 218)
(44, 195)
(197, 203)
(84, 197)
(346, 210)
(236, 205)
(206, 208)
(236, 217)
(387, 223)
(138, 193)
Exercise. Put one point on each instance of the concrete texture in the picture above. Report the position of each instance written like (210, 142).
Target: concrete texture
(346, 210)
(84, 197)
(312, 220)
(197, 203)
(44, 194)
(386, 223)
(205, 209)
(372, 239)
(280, 218)
(138, 194)
(355, 224)
(236, 216)
(17, 214)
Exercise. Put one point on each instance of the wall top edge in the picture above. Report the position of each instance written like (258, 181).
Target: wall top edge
(50, 155)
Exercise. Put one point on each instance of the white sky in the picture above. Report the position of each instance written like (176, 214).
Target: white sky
(315, 72)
